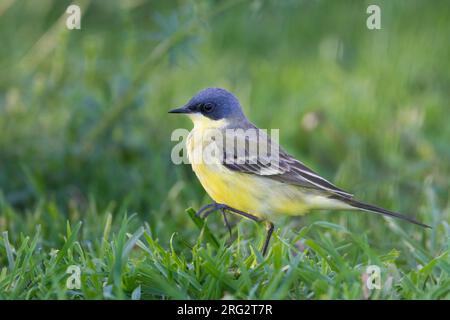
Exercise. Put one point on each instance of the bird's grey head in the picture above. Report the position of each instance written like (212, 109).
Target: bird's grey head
(213, 103)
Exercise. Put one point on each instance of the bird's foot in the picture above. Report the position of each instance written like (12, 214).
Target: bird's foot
(206, 210)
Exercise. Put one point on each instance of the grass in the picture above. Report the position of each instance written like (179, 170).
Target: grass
(85, 173)
(125, 260)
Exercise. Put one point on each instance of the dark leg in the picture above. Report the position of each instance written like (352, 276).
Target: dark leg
(269, 227)
(242, 213)
(210, 208)
(225, 220)
(205, 208)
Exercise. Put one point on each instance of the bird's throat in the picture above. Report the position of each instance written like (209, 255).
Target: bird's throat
(201, 122)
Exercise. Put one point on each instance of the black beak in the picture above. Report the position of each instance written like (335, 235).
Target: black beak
(183, 109)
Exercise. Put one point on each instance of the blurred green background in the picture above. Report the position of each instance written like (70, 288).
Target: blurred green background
(83, 113)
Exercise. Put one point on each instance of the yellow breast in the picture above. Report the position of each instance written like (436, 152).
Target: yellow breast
(234, 189)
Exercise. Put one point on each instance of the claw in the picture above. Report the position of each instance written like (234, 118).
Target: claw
(209, 211)
(204, 208)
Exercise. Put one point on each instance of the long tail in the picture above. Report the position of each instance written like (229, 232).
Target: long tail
(374, 209)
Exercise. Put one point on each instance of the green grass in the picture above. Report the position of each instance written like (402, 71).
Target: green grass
(124, 260)
(85, 172)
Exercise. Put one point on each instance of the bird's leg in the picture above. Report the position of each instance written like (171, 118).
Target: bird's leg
(209, 207)
(239, 212)
(225, 220)
(269, 227)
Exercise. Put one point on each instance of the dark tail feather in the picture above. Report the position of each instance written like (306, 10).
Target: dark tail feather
(372, 208)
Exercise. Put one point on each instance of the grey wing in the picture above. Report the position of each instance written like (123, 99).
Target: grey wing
(283, 168)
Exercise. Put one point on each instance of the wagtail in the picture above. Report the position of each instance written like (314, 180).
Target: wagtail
(250, 183)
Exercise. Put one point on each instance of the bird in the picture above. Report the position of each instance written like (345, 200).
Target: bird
(256, 185)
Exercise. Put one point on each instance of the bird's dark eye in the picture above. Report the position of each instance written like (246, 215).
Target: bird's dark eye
(207, 107)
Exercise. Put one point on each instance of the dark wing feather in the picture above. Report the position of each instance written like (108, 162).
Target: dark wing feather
(285, 169)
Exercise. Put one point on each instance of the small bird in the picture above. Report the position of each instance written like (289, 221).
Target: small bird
(260, 189)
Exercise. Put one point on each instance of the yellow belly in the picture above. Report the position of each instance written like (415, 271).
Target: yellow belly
(230, 188)
(259, 196)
